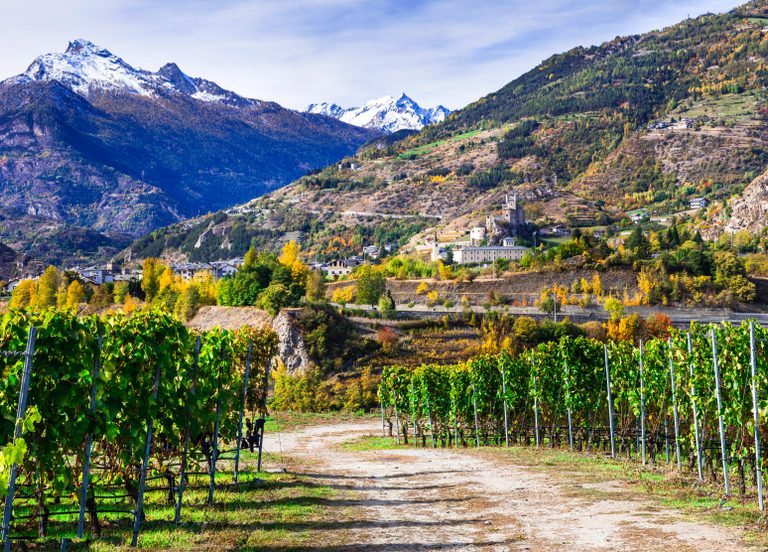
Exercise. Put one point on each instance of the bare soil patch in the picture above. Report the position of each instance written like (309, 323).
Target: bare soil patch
(427, 499)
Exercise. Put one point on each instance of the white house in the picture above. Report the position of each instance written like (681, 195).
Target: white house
(477, 235)
(508, 242)
(699, 203)
(339, 268)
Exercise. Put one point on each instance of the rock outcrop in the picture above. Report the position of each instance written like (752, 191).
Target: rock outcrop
(292, 350)
(750, 210)
(291, 347)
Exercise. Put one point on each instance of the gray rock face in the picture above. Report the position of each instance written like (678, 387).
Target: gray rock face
(291, 347)
(750, 210)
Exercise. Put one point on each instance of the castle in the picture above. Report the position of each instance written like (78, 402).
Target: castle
(511, 221)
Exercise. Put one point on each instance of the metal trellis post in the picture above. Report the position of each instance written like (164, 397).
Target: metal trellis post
(20, 412)
(397, 422)
(145, 465)
(753, 365)
(477, 424)
(263, 415)
(185, 454)
(413, 417)
(383, 428)
(699, 465)
(431, 427)
(642, 405)
(242, 410)
(674, 406)
(610, 402)
(535, 414)
(568, 398)
(216, 426)
(721, 426)
(88, 446)
(506, 417)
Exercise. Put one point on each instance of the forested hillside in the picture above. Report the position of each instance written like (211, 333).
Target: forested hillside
(647, 121)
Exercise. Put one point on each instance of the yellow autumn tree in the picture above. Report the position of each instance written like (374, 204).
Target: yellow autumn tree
(47, 288)
(75, 294)
(151, 269)
(597, 285)
(23, 295)
(289, 256)
(129, 305)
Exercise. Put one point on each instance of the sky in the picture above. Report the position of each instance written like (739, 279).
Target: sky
(296, 52)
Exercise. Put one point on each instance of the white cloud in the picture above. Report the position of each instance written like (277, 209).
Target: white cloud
(299, 51)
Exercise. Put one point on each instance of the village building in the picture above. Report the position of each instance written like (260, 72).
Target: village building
(339, 267)
(189, 270)
(557, 231)
(477, 235)
(488, 254)
(699, 203)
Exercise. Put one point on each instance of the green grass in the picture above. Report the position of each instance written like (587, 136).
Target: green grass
(728, 106)
(426, 148)
(371, 443)
(265, 509)
(288, 421)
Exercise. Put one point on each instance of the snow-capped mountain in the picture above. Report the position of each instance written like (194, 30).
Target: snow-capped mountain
(389, 113)
(86, 68)
(94, 151)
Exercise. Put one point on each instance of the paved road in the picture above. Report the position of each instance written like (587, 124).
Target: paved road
(680, 316)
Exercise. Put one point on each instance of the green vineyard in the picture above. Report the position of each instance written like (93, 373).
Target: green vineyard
(698, 398)
(98, 412)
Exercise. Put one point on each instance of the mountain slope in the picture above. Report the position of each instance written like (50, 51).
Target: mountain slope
(648, 121)
(388, 113)
(94, 152)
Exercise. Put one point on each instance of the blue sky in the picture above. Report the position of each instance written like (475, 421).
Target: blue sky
(300, 51)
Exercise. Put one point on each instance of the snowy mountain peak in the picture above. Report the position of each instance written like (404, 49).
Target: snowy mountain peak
(388, 113)
(81, 46)
(85, 67)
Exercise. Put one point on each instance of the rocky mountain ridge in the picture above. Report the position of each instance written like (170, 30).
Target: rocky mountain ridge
(388, 113)
(643, 122)
(95, 152)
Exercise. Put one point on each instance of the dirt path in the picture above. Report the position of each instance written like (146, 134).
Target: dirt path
(425, 499)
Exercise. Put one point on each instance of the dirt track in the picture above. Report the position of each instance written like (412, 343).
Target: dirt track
(425, 499)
